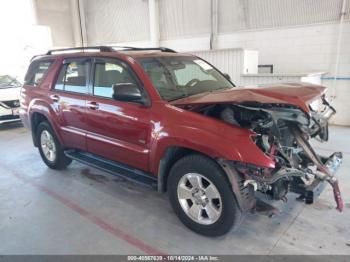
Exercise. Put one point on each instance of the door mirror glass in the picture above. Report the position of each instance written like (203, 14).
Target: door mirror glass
(127, 92)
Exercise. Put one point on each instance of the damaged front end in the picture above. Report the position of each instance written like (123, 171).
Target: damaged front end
(283, 132)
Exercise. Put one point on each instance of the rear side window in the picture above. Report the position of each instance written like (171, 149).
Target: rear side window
(73, 76)
(36, 72)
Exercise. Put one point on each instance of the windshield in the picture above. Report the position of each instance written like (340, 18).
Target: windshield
(8, 81)
(178, 77)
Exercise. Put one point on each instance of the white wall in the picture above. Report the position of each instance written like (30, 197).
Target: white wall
(296, 36)
(340, 100)
(299, 49)
(57, 16)
(192, 18)
(307, 49)
(116, 21)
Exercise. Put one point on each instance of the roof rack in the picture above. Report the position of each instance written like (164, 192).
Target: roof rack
(131, 48)
(109, 49)
(82, 48)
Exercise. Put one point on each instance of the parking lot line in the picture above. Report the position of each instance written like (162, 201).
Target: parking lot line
(115, 231)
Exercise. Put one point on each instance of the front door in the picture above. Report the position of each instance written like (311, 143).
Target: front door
(117, 130)
(69, 97)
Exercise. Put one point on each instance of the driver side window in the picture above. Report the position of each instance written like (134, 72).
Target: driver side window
(108, 74)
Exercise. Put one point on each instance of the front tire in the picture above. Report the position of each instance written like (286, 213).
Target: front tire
(201, 196)
(50, 148)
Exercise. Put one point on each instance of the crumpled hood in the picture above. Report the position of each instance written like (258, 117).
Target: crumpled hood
(298, 94)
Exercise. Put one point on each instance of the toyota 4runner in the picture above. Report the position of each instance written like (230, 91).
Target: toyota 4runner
(174, 122)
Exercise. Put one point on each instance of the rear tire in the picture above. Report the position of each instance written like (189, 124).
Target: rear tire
(50, 148)
(201, 196)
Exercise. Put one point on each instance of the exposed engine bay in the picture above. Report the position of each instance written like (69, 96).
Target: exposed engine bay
(283, 133)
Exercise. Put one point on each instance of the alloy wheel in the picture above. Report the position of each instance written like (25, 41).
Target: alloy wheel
(199, 198)
(48, 145)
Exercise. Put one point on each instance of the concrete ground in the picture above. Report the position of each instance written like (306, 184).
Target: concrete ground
(84, 211)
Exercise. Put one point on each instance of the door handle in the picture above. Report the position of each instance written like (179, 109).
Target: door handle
(55, 98)
(92, 105)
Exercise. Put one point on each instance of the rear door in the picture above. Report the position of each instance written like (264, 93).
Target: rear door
(118, 130)
(69, 96)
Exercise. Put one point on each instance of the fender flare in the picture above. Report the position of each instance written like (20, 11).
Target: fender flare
(41, 107)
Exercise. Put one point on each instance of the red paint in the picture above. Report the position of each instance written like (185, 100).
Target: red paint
(120, 128)
(298, 94)
(138, 135)
(337, 196)
(115, 231)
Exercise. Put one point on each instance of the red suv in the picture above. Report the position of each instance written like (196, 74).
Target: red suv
(174, 122)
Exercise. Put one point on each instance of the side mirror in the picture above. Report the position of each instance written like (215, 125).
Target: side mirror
(127, 92)
(227, 76)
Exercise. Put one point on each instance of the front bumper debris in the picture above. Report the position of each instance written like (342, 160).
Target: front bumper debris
(308, 193)
(327, 167)
(332, 165)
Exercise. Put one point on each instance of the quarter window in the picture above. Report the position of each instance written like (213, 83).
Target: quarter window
(73, 76)
(36, 72)
(108, 74)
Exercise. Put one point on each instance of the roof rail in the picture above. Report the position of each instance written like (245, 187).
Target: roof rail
(110, 49)
(131, 48)
(82, 48)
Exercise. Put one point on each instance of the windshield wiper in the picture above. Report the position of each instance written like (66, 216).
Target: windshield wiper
(178, 97)
(188, 95)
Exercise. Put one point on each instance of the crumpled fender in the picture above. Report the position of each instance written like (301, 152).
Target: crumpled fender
(208, 136)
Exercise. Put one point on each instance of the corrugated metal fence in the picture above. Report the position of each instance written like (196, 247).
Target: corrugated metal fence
(113, 21)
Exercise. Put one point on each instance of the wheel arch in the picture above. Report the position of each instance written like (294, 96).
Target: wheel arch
(166, 150)
(171, 155)
(36, 118)
(243, 194)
